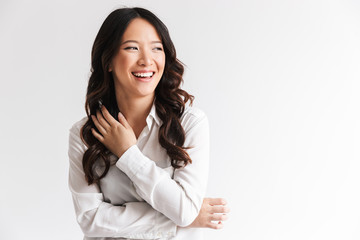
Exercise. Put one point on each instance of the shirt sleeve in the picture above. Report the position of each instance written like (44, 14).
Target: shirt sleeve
(100, 219)
(179, 198)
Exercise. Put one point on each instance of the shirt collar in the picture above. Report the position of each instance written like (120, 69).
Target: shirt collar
(153, 117)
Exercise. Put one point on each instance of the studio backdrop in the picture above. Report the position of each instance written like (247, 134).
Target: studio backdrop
(278, 80)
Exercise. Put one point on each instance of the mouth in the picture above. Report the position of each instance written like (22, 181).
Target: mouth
(143, 75)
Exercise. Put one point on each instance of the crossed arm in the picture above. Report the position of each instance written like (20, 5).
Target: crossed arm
(137, 219)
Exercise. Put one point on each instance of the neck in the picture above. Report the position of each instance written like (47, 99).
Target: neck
(135, 110)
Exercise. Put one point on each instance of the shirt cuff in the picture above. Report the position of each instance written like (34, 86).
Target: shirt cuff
(132, 161)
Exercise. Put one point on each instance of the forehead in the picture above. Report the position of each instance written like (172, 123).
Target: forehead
(140, 29)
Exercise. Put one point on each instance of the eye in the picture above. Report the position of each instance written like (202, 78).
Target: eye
(158, 49)
(131, 48)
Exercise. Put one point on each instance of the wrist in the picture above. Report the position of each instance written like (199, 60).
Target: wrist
(123, 150)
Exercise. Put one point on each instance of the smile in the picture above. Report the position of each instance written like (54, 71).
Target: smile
(143, 75)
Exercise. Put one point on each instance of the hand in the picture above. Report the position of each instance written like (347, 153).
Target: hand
(212, 209)
(116, 136)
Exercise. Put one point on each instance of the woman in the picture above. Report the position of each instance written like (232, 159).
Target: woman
(139, 160)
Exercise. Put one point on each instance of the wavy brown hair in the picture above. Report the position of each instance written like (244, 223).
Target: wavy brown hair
(170, 100)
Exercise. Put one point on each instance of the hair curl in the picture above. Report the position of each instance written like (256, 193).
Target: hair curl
(170, 100)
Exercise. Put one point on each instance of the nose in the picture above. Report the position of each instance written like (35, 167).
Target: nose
(145, 58)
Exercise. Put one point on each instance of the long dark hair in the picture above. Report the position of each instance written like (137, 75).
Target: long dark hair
(170, 100)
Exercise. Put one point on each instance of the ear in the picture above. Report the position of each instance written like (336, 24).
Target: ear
(110, 69)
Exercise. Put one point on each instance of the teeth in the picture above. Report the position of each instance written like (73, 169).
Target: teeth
(147, 74)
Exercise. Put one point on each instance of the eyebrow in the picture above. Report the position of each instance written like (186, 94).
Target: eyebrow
(133, 41)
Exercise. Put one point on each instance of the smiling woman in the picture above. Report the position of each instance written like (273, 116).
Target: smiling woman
(139, 64)
(139, 160)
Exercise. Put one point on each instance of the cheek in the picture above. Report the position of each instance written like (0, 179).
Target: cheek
(161, 62)
(124, 62)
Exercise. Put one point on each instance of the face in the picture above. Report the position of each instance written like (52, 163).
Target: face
(139, 64)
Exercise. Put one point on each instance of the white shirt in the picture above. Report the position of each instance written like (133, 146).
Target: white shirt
(142, 196)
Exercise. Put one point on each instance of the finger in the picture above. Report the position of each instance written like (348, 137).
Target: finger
(98, 125)
(102, 120)
(108, 116)
(218, 225)
(219, 217)
(97, 135)
(217, 201)
(123, 120)
(219, 209)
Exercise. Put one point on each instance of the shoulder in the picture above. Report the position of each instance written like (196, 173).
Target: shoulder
(192, 117)
(75, 142)
(76, 127)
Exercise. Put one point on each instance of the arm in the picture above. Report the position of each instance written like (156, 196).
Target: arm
(180, 198)
(100, 219)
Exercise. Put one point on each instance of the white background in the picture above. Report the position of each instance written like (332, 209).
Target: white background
(279, 81)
